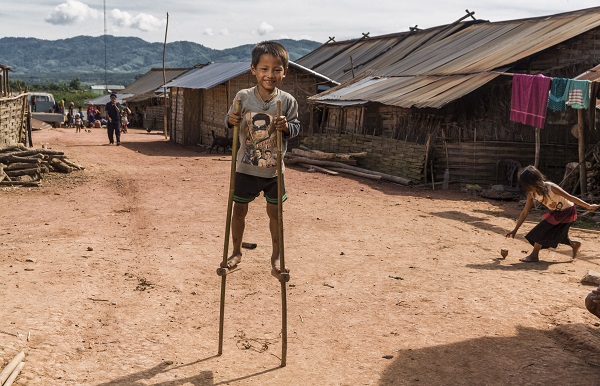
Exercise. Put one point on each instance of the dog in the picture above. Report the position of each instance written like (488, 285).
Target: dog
(220, 142)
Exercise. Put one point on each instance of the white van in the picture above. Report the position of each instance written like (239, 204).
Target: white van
(41, 102)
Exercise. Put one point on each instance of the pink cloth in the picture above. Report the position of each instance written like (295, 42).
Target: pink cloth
(529, 99)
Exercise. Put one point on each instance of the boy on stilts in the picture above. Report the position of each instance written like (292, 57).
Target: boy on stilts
(259, 123)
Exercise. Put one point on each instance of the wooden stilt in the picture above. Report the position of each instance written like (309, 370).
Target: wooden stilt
(234, 148)
(283, 276)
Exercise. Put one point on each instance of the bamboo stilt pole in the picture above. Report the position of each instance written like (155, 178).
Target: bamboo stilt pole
(234, 149)
(282, 268)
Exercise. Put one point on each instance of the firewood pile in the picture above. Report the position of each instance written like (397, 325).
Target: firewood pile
(336, 163)
(23, 166)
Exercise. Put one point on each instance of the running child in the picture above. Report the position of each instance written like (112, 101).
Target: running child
(554, 227)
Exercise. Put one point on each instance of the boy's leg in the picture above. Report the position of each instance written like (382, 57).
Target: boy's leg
(238, 224)
(274, 228)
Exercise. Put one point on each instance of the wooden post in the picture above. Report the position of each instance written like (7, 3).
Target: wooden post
(537, 147)
(581, 148)
(165, 108)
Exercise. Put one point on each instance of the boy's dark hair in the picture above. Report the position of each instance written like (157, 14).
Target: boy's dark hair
(270, 47)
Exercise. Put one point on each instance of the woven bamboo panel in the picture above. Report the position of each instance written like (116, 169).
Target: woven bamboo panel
(398, 158)
(11, 121)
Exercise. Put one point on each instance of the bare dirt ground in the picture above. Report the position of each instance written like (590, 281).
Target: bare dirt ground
(108, 278)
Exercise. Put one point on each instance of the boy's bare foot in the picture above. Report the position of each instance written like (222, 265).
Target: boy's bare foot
(530, 259)
(575, 245)
(275, 270)
(233, 261)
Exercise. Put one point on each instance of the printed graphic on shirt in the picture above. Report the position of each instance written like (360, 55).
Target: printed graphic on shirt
(261, 140)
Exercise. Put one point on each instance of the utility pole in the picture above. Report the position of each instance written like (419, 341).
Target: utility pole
(105, 50)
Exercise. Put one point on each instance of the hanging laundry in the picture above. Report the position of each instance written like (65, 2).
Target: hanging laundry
(529, 100)
(557, 101)
(594, 96)
(578, 94)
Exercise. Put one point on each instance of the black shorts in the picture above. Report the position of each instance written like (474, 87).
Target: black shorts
(248, 187)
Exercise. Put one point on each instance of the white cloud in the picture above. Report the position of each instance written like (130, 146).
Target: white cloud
(71, 12)
(264, 28)
(224, 32)
(141, 21)
(208, 32)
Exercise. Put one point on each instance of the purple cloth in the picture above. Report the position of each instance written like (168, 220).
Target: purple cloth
(529, 99)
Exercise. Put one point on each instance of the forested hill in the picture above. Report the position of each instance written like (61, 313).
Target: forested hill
(42, 61)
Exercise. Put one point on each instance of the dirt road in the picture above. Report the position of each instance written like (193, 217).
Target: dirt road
(108, 278)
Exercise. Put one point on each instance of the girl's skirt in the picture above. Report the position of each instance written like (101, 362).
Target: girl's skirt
(553, 229)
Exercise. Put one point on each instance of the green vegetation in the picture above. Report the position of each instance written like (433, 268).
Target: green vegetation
(37, 61)
(71, 92)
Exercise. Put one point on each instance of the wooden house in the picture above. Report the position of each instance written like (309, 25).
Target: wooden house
(200, 98)
(426, 101)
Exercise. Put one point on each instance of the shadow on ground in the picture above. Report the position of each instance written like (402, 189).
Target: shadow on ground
(565, 355)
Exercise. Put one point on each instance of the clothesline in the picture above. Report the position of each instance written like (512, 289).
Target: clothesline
(513, 74)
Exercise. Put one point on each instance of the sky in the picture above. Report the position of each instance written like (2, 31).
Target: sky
(227, 24)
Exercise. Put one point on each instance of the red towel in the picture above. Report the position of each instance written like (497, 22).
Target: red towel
(530, 99)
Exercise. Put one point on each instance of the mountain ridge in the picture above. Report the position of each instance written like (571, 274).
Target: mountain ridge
(35, 60)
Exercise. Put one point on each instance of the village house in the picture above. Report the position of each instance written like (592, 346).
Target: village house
(200, 98)
(142, 95)
(426, 102)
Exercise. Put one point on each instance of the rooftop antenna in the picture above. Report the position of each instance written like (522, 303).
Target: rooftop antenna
(105, 56)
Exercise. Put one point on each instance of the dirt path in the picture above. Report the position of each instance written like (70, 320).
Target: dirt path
(110, 271)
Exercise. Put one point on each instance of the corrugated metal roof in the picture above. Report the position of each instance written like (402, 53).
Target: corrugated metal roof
(104, 99)
(216, 73)
(211, 75)
(412, 91)
(592, 74)
(487, 46)
(426, 70)
(153, 79)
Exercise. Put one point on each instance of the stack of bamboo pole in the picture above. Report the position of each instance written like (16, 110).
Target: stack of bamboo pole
(20, 165)
(12, 370)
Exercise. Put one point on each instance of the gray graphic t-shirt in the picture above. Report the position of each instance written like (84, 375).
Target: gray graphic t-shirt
(257, 155)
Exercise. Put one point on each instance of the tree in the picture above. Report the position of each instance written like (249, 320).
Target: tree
(75, 84)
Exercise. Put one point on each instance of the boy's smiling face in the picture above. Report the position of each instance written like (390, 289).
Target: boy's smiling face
(269, 72)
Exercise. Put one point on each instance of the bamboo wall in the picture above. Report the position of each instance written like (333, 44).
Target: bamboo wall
(154, 118)
(477, 162)
(395, 157)
(13, 123)
(177, 114)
